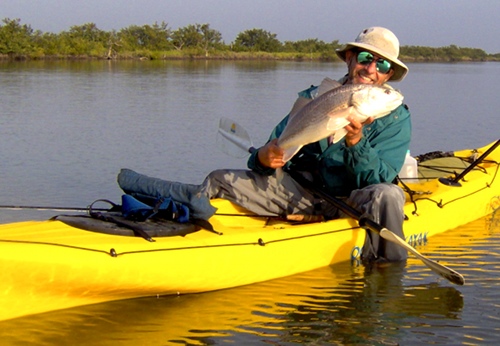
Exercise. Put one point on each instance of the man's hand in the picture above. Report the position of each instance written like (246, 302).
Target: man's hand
(355, 130)
(270, 155)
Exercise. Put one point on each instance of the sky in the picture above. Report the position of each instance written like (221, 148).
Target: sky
(434, 23)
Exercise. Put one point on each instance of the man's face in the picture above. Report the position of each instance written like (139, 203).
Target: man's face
(365, 73)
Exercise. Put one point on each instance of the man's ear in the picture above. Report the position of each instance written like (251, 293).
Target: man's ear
(348, 56)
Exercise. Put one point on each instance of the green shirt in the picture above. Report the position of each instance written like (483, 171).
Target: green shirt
(376, 158)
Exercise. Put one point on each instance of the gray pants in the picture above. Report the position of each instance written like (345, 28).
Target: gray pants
(264, 195)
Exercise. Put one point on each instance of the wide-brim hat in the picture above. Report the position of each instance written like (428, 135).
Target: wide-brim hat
(382, 42)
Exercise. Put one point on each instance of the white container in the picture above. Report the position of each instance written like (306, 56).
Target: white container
(409, 172)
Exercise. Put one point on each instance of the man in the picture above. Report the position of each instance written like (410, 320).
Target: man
(361, 167)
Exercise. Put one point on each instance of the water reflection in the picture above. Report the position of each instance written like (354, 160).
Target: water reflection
(149, 67)
(370, 309)
(345, 304)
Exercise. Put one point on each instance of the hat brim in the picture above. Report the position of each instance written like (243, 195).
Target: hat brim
(400, 69)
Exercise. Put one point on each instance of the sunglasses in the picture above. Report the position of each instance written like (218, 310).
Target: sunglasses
(366, 58)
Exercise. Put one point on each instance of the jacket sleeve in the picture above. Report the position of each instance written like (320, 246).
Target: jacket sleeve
(253, 161)
(380, 154)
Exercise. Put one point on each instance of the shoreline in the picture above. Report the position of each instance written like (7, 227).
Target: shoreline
(231, 57)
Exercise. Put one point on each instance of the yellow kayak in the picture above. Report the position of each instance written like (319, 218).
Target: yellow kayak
(50, 265)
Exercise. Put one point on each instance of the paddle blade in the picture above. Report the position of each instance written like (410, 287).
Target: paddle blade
(233, 139)
(447, 273)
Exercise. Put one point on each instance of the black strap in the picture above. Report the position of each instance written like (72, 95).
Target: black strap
(100, 216)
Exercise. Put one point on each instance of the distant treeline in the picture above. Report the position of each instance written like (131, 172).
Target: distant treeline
(196, 41)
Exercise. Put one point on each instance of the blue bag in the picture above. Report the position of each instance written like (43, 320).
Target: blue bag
(137, 210)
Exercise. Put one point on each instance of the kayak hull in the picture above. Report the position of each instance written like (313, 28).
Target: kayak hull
(49, 265)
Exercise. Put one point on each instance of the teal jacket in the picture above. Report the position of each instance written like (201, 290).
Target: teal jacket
(377, 158)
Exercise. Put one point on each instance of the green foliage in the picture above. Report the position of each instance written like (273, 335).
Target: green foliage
(312, 49)
(309, 46)
(15, 38)
(186, 37)
(449, 53)
(158, 41)
(151, 37)
(210, 38)
(197, 36)
(83, 40)
(48, 44)
(257, 40)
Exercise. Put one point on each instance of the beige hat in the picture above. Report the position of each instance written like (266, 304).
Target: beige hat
(383, 43)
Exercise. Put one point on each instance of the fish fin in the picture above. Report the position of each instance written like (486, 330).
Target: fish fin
(298, 105)
(279, 175)
(290, 152)
(337, 123)
(327, 84)
(338, 135)
(338, 119)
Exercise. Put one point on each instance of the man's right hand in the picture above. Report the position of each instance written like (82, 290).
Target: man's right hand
(271, 155)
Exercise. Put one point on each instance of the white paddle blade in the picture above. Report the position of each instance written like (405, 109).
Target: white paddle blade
(448, 273)
(240, 141)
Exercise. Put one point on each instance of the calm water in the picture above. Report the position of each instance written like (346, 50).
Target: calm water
(67, 128)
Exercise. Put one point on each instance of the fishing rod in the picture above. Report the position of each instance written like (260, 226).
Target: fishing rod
(90, 208)
(34, 207)
(230, 130)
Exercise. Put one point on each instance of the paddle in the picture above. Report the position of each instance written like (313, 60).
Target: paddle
(237, 135)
